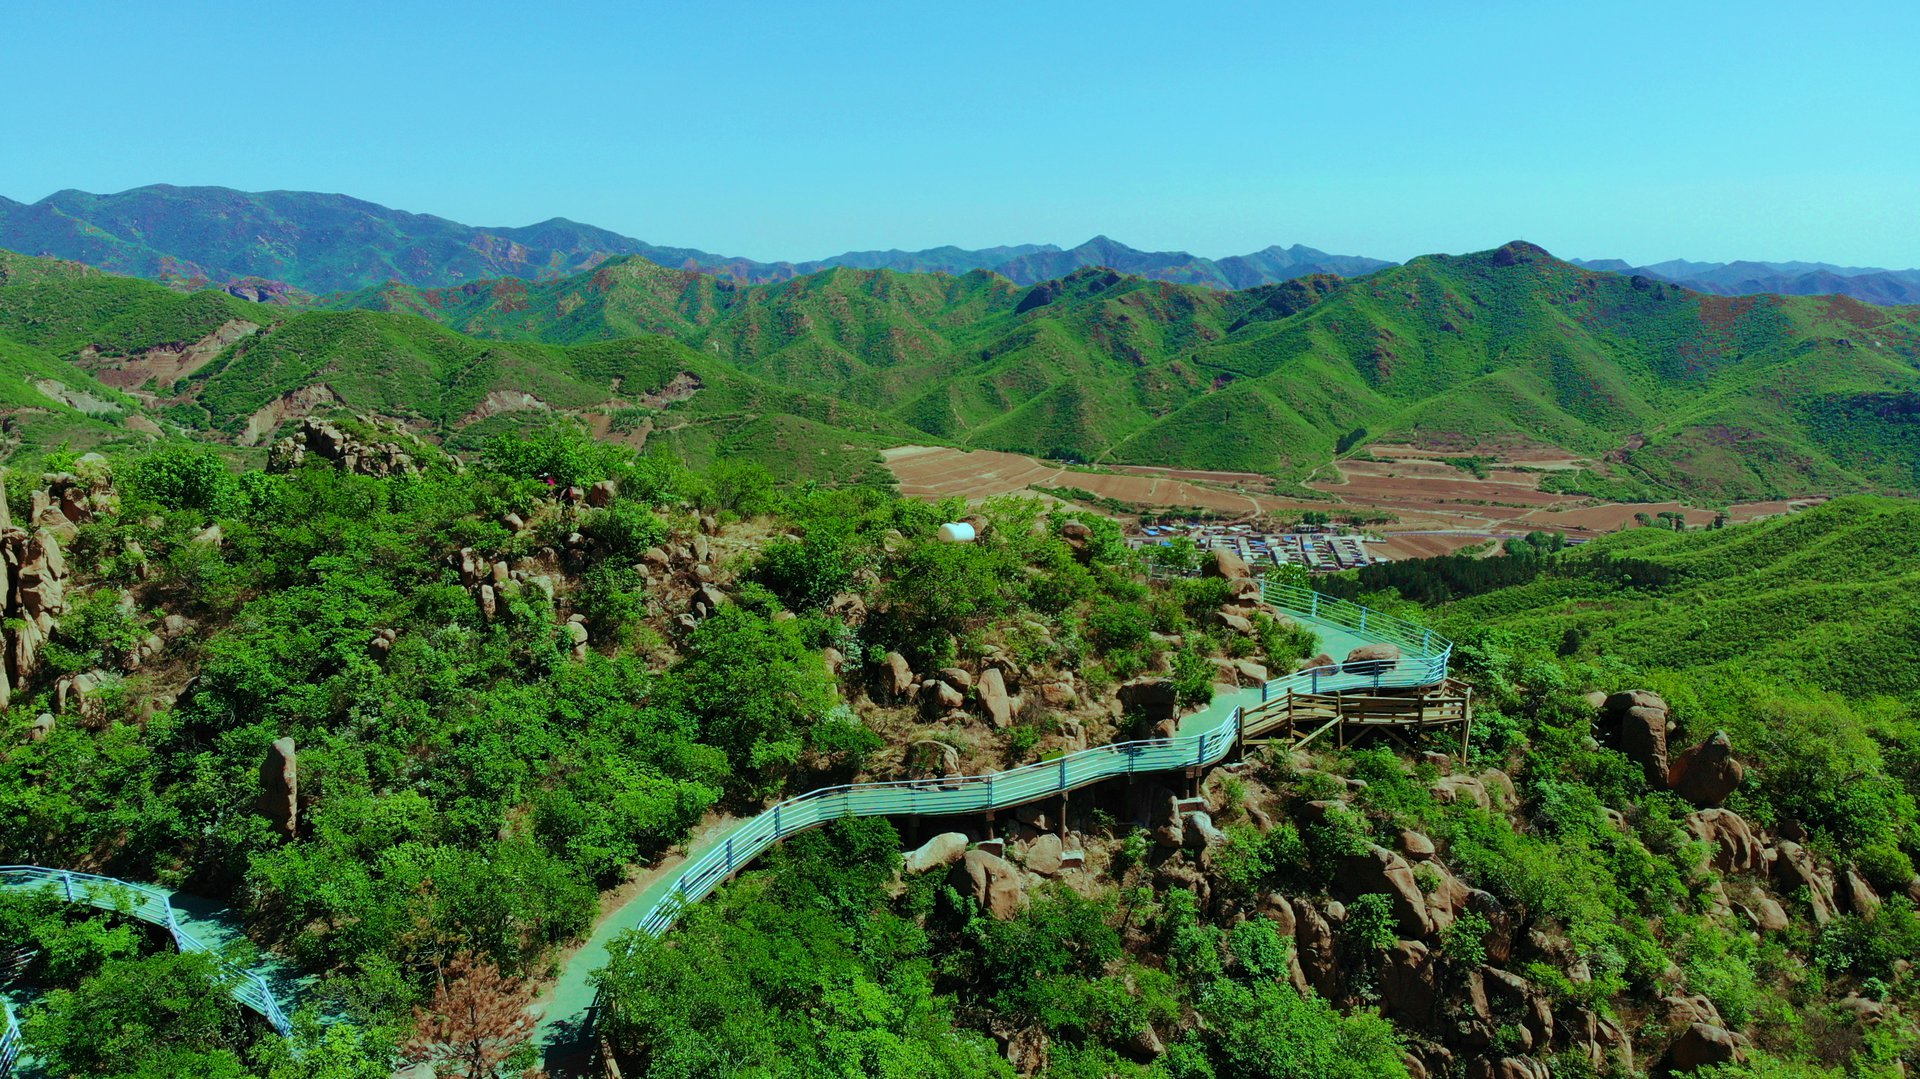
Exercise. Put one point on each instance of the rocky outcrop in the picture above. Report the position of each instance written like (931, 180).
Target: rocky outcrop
(1794, 868)
(349, 452)
(898, 677)
(1380, 870)
(995, 699)
(1079, 539)
(1635, 723)
(936, 853)
(931, 759)
(33, 594)
(1706, 774)
(1704, 1044)
(1223, 563)
(1734, 848)
(280, 788)
(1371, 659)
(991, 881)
(1153, 699)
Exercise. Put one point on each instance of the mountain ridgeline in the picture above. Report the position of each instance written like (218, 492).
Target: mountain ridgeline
(289, 245)
(1673, 392)
(1676, 391)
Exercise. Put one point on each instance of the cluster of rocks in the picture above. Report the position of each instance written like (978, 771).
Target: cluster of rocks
(66, 500)
(1636, 722)
(949, 692)
(998, 874)
(33, 594)
(345, 450)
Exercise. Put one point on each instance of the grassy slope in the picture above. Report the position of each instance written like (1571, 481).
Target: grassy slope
(1828, 590)
(1733, 397)
(405, 367)
(1722, 398)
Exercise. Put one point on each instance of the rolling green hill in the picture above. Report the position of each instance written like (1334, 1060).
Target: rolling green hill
(1823, 596)
(88, 358)
(1715, 397)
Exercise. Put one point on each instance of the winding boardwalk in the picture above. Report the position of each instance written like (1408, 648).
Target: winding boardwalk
(1203, 738)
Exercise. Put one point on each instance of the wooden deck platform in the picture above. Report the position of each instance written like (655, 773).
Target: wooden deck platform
(1298, 719)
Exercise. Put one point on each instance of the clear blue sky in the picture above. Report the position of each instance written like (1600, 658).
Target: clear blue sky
(1642, 131)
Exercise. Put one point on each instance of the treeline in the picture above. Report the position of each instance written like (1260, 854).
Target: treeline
(1444, 578)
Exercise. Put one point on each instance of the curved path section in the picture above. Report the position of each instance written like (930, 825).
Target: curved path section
(193, 924)
(1204, 738)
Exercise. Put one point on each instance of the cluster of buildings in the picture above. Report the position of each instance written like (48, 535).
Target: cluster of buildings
(1320, 549)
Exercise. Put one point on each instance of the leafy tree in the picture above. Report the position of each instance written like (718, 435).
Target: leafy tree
(754, 689)
(1266, 1030)
(807, 573)
(162, 1015)
(179, 478)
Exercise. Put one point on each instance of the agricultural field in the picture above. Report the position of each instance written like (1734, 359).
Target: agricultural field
(1435, 501)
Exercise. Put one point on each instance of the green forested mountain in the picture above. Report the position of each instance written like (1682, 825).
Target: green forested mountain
(1713, 396)
(92, 359)
(490, 712)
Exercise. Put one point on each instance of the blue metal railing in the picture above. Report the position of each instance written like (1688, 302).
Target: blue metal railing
(1423, 662)
(1426, 665)
(9, 1042)
(149, 904)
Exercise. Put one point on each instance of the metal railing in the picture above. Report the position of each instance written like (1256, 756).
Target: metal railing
(149, 904)
(1427, 665)
(997, 790)
(9, 1042)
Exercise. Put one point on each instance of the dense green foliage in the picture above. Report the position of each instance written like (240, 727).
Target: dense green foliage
(1507, 347)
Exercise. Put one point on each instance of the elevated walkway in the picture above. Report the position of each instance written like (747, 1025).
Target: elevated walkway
(1205, 738)
(196, 925)
(1404, 694)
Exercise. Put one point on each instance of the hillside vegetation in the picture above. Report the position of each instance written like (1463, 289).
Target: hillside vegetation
(207, 364)
(1712, 397)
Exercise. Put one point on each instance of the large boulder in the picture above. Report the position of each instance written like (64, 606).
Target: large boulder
(1238, 623)
(1079, 539)
(940, 851)
(1734, 848)
(1409, 983)
(1706, 774)
(899, 676)
(1154, 699)
(946, 697)
(1380, 870)
(1635, 723)
(1794, 868)
(992, 882)
(1045, 855)
(1372, 659)
(1223, 563)
(992, 688)
(280, 787)
(1701, 1045)
(933, 759)
(1314, 945)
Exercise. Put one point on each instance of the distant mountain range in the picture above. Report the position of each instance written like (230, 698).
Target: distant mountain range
(1868, 283)
(292, 246)
(1673, 390)
(277, 244)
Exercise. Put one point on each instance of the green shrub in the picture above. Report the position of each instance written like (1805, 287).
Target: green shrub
(1370, 922)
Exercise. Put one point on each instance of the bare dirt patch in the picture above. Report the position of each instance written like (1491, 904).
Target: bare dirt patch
(163, 364)
(287, 406)
(1436, 507)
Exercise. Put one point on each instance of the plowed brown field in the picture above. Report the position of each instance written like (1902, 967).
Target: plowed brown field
(1437, 507)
